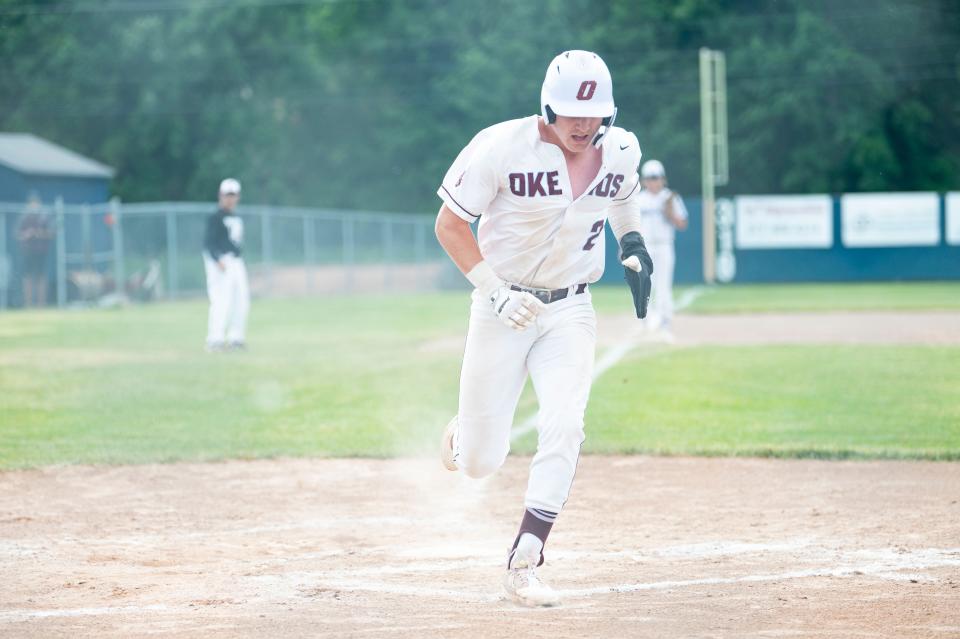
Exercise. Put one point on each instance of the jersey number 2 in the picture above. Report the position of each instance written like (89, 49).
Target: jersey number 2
(596, 230)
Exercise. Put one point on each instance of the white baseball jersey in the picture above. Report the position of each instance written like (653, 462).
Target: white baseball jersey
(656, 228)
(532, 231)
(234, 224)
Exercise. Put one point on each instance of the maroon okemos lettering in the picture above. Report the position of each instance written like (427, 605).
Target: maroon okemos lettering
(615, 187)
(603, 186)
(532, 184)
(518, 185)
(553, 183)
(609, 186)
(536, 184)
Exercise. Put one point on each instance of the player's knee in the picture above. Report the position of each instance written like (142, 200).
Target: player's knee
(478, 465)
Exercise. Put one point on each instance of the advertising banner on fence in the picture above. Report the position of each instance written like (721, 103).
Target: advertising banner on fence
(953, 218)
(890, 219)
(784, 221)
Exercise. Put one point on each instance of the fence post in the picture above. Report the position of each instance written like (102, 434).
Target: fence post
(86, 237)
(348, 251)
(419, 245)
(386, 237)
(172, 257)
(419, 251)
(6, 268)
(61, 254)
(266, 249)
(119, 273)
(308, 249)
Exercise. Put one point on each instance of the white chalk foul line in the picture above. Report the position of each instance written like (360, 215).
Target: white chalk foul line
(885, 564)
(688, 297)
(889, 566)
(25, 614)
(613, 355)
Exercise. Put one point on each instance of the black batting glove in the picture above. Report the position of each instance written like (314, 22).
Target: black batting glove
(637, 269)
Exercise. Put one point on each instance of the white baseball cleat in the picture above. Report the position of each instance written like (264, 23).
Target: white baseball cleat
(525, 588)
(446, 445)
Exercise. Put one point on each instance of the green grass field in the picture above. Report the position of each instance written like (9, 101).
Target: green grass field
(377, 376)
(752, 298)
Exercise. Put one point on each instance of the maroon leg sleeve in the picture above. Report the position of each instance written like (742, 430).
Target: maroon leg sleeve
(536, 522)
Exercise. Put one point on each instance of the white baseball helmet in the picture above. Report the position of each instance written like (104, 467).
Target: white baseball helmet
(652, 169)
(578, 84)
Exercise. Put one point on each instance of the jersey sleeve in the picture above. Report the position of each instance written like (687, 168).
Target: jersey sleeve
(624, 214)
(212, 236)
(471, 183)
(679, 208)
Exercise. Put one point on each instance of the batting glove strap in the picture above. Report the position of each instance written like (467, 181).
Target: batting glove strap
(484, 279)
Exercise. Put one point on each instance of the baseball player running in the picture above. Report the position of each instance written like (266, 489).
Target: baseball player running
(227, 285)
(542, 188)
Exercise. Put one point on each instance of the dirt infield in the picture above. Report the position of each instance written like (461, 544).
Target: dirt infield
(357, 548)
(754, 329)
(863, 327)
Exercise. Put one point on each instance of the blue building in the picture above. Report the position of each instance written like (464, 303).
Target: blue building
(32, 166)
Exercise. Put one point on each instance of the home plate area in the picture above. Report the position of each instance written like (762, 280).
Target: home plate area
(646, 546)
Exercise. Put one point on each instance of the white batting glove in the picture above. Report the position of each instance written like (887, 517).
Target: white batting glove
(516, 309)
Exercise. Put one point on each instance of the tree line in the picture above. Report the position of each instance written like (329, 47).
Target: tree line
(365, 103)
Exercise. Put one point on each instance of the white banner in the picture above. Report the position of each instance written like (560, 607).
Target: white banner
(953, 218)
(890, 219)
(784, 221)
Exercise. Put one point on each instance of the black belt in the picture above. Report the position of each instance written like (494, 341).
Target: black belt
(547, 296)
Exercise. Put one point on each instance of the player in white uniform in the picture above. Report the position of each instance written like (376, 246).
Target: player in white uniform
(542, 188)
(662, 214)
(227, 285)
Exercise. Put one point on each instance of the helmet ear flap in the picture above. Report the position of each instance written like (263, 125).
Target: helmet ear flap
(605, 125)
(548, 114)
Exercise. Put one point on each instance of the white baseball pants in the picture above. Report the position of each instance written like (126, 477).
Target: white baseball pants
(558, 352)
(661, 296)
(229, 295)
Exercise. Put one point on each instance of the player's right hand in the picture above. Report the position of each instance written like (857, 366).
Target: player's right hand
(516, 309)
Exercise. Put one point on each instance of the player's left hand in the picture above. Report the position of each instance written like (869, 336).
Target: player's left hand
(637, 268)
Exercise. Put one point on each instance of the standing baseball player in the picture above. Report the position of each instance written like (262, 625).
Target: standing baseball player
(662, 214)
(227, 284)
(542, 188)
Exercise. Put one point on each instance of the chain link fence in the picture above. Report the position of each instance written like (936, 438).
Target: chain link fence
(78, 254)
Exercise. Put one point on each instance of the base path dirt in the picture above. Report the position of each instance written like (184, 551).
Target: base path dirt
(860, 327)
(764, 329)
(647, 547)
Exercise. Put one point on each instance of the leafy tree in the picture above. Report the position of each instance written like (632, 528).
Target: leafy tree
(365, 104)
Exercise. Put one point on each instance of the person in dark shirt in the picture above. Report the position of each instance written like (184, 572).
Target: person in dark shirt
(227, 285)
(35, 233)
